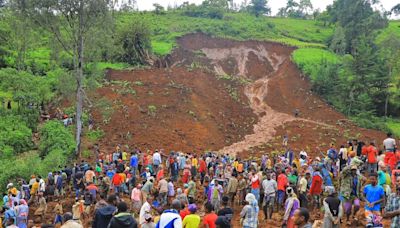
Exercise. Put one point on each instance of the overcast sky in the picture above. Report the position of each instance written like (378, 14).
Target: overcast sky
(274, 4)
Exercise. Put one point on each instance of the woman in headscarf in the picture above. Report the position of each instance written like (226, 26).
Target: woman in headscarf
(291, 204)
(249, 213)
(22, 211)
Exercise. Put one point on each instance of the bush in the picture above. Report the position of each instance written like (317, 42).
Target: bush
(15, 135)
(54, 136)
(135, 43)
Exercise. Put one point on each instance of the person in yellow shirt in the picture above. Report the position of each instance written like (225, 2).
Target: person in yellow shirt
(192, 220)
(195, 165)
(34, 191)
(235, 164)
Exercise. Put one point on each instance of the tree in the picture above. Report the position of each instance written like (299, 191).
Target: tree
(71, 22)
(135, 43)
(338, 42)
(390, 54)
(358, 19)
(305, 7)
(396, 9)
(158, 9)
(259, 7)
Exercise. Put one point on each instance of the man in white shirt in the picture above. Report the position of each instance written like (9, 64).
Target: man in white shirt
(389, 143)
(145, 209)
(156, 160)
(270, 187)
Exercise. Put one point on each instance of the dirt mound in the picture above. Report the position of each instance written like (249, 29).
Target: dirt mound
(175, 109)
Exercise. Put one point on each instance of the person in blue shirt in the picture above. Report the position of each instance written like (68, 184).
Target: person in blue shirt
(134, 163)
(374, 195)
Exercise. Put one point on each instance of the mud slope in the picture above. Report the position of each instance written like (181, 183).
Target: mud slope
(277, 89)
(174, 109)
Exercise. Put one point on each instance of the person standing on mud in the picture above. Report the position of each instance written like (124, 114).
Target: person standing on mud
(350, 189)
(333, 210)
(232, 188)
(270, 187)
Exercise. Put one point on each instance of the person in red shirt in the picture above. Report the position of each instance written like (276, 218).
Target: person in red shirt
(210, 218)
(117, 182)
(255, 185)
(316, 187)
(282, 182)
(185, 210)
(372, 162)
(202, 169)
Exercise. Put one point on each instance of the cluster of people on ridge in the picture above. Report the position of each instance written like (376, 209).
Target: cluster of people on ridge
(159, 189)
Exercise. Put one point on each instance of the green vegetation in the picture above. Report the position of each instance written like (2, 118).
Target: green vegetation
(151, 110)
(95, 135)
(394, 126)
(310, 60)
(56, 147)
(15, 136)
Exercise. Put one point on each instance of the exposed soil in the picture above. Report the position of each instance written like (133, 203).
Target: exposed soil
(276, 91)
(193, 111)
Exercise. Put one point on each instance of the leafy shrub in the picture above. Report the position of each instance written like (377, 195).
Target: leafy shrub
(135, 43)
(54, 136)
(15, 135)
(95, 135)
(151, 110)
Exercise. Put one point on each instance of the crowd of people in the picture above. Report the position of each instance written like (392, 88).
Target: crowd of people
(134, 188)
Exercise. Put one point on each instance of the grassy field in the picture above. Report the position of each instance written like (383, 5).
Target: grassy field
(167, 27)
(308, 59)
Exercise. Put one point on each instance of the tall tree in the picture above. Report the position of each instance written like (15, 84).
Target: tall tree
(358, 19)
(390, 54)
(259, 7)
(338, 42)
(305, 7)
(396, 9)
(71, 22)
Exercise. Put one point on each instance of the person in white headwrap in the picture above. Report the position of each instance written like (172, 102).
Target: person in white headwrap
(249, 213)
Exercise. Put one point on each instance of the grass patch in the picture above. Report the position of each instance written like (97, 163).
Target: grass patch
(309, 60)
(95, 135)
(161, 48)
(393, 28)
(107, 65)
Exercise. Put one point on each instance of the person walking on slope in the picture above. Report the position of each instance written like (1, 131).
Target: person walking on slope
(316, 188)
(270, 187)
(249, 213)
